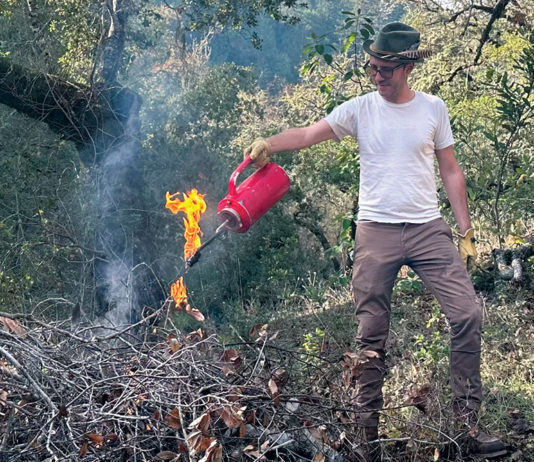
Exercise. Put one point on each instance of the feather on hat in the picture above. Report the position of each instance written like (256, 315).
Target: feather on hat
(397, 42)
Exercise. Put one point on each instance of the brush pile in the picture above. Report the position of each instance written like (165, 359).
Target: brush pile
(153, 394)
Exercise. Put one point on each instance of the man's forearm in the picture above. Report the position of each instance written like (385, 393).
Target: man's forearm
(294, 139)
(288, 140)
(455, 187)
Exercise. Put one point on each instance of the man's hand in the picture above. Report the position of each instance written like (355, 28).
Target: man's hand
(466, 246)
(259, 152)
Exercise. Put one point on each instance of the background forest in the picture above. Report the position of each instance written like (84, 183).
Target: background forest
(107, 105)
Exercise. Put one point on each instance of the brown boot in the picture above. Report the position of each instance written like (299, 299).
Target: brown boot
(483, 445)
(477, 442)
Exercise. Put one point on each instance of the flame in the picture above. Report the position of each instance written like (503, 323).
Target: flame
(179, 291)
(193, 205)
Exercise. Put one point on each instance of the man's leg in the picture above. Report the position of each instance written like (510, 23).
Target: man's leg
(434, 258)
(433, 255)
(376, 264)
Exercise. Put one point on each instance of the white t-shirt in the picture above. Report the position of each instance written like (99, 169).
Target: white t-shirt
(397, 144)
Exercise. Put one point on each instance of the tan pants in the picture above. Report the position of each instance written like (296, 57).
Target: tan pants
(381, 249)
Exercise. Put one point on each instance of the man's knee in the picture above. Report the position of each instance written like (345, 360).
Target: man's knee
(465, 318)
(372, 331)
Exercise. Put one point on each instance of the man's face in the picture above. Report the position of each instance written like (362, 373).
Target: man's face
(390, 88)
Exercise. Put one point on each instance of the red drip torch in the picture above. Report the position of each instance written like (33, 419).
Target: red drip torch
(247, 203)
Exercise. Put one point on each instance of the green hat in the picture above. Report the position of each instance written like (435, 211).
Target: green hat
(397, 42)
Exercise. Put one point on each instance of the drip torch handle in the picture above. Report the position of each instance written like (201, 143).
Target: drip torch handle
(240, 169)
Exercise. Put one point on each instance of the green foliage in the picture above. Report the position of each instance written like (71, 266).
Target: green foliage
(312, 346)
(41, 239)
(344, 66)
(498, 151)
(408, 284)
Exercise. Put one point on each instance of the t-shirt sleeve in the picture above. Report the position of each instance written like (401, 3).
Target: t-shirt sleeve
(343, 119)
(443, 136)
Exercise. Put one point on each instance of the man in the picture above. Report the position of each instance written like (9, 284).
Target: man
(399, 132)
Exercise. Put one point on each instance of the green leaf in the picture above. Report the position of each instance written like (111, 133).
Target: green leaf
(328, 59)
(319, 49)
(369, 28)
(348, 76)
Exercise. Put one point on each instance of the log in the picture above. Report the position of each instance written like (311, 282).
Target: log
(94, 116)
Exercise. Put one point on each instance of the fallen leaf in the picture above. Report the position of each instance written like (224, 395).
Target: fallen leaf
(319, 457)
(353, 364)
(259, 330)
(250, 417)
(197, 442)
(419, 397)
(195, 313)
(167, 455)
(173, 419)
(111, 439)
(97, 440)
(274, 391)
(174, 345)
(371, 354)
(232, 415)
(232, 361)
(83, 449)
(13, 326)
(201, 424)
(280, 376)
(3, 397)
(213, 453)
(319, 434)
(196, 336)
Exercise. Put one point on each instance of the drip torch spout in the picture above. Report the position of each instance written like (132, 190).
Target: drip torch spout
(221, 231)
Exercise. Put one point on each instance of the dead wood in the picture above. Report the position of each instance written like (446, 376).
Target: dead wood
(87, 116)
(84, 395)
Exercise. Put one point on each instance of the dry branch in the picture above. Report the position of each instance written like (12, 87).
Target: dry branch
(82, 395)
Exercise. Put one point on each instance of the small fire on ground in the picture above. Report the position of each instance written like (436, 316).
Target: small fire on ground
(193, 206)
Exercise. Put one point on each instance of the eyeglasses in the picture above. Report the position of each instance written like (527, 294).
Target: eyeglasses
(385, 72)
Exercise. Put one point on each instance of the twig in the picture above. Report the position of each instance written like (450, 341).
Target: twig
(30, 379)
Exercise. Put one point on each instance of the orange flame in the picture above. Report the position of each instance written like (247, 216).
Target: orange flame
(193, 206)
(179, 292)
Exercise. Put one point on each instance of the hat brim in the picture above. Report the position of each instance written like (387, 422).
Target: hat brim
(417, 55)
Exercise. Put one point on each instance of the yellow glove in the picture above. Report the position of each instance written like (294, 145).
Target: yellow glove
(467, 249)
(259, 152)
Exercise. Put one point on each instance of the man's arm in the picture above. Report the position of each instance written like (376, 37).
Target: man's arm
(298, 138)
(454, 182)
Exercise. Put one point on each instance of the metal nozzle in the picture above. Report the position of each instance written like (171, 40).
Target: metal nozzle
(231, 219)
(220, 231)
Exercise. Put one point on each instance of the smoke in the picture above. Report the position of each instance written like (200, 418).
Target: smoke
(120, 222)
(120, 295)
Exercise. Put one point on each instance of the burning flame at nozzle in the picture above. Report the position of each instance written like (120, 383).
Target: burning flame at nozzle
(193, 205)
